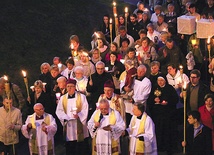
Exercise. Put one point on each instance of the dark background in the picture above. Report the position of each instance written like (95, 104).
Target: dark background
(34, 31)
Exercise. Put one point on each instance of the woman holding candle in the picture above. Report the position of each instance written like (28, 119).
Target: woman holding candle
(146, 53)
(207, 114)
(38, 96)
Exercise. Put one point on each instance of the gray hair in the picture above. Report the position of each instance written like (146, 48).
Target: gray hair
(78, 68)
(100, 63)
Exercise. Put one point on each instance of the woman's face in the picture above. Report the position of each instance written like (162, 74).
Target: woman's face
(113, 48)
(105, 20)
(37, 89)
(100, 42)
(45, 69)
(145, 43)
(121, 20)
(209, 102)
(171, 70)
(131, 54)
(113, 58)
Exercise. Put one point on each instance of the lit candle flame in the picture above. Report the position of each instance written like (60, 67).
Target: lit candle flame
(58, 96)
(114, 3)
(185, 85)
(96, 34)
(115, 15)
(181, 67)
(193, 41)
(110, 21)
(5, 78)
(126, 9)
(72, 46)
(24, 73)
(208, 40)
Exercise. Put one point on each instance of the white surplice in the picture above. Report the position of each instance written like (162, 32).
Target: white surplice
(42, 138)
(149, 136)
(103, 137)
(71, 133)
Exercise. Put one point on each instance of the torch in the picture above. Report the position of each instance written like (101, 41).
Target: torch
(26, 82)
(208, 48)
(110, 27)
(185, 100)
(126, 17)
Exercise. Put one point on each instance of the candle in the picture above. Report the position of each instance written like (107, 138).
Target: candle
(106, 68)
(193, 41)
(114, 7)
(122, 61)
(74, 110)
(32, 88)
(26, 82)
(110, 28)
(126, 16)
(209, 47)
(72, 46)
(184, 86)
(116, 23)
(58, 96)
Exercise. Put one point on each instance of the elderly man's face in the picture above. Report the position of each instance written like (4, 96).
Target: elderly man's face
(136, 111)
(61, 83)
(100, 69)
(141, 72)
(104, 108)
(39, 110)
(78, 74)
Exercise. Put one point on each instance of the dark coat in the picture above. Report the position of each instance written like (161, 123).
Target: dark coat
(201, 144)
(97, 88)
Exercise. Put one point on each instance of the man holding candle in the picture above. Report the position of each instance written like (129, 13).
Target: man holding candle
(72, 111)
(196, 91)
(10, 124)
(15, 94)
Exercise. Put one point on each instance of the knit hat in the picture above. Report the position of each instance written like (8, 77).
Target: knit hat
(71, 81)
(109, 84)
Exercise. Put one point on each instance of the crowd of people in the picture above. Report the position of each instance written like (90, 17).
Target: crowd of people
(125, 95)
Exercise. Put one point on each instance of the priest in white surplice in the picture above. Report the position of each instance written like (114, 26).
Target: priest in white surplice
(40, 128)
(105, 126)
(141, 132)
(72, 111)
